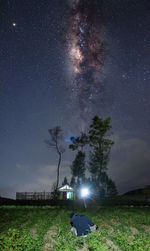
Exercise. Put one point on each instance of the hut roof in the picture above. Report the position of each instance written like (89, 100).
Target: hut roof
(66, 188)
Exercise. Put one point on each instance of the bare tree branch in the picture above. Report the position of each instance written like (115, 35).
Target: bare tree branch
(54, 143)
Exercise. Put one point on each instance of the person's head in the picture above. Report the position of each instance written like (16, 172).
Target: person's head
(72, 215)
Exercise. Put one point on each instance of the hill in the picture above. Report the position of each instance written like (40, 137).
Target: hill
(141, 192)
(6, 201)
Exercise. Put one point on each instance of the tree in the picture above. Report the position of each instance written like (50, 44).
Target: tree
(54, 191)
(65, 181)
(73, 182)
(111, 188)
(98, 130)
(100, 144)
(55, 143)
(79, 142)
(99, 154)
(78, 165)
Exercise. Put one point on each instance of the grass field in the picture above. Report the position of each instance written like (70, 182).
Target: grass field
(48, 228)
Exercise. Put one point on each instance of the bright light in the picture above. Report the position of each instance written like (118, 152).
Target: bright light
(84, 192)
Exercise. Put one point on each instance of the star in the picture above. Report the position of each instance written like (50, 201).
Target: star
(14, 24)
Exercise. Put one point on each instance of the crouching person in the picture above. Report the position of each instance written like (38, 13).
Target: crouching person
(81, 225)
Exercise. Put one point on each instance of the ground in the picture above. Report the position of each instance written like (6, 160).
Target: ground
(47, 228)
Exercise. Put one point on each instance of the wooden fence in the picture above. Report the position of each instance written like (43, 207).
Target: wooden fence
(33, 196)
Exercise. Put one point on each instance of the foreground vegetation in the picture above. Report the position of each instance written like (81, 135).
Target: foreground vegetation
(48, 228)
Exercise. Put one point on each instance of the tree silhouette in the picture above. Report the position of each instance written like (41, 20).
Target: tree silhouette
(78, 165)
(54, 143)
(100, 154)
(100, 144)
(73, 182)
(65, 181)
(111, 188)
(79, 142)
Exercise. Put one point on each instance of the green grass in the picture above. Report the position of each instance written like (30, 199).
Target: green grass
(48, 228)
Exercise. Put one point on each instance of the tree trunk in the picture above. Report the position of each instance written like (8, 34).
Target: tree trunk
(59, 161)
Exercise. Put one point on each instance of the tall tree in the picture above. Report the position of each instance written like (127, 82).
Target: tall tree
(73, 182)
(111, 188)
(65, 181)
(100, 144)
(54, 143)
(99, 153)
(78, 165)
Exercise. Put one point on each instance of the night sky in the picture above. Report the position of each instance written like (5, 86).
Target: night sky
(62, 62)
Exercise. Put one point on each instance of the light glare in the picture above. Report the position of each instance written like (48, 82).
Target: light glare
(84, 192)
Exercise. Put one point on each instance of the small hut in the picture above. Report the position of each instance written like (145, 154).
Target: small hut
(66, 192)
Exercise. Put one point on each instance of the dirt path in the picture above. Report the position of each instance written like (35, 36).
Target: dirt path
(111, 245)
(134, 231)
(33, 230)
(146, 228)
(49, 239)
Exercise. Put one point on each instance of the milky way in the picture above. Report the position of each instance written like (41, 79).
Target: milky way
(86, 54)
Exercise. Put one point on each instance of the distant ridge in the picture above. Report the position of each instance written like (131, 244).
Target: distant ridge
(4, 200)
(140, 191)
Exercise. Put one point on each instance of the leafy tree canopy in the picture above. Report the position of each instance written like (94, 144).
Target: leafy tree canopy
(78, 165)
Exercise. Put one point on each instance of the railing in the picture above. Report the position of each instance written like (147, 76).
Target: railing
(33, 196)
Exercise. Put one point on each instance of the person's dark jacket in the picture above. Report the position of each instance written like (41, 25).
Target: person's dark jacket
(82, 224)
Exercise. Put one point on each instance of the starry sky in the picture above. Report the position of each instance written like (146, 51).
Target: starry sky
(62, 62)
